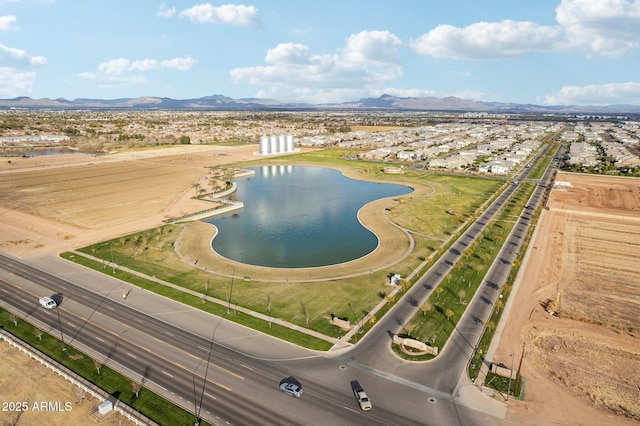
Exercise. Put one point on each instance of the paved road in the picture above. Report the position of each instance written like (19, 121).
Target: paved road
(166, 345)
(132, 336)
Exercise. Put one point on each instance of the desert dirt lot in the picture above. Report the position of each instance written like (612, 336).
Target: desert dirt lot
(579, 367)
(48, 205)
(25, 380)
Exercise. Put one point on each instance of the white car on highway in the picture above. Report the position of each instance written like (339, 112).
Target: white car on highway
(47, 302)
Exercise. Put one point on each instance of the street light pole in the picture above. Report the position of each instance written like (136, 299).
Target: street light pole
(510, 374)
(60, 326)
(355, 318)
(230, 291)
(519, 367)
(113, 267)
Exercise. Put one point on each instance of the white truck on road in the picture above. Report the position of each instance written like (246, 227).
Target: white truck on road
(361, 396)
(47, 302)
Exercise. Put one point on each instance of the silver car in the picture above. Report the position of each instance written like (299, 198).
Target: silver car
(292, 389)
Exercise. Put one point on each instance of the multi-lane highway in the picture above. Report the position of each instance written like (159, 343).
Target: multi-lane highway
(240, 389)
(229, 374)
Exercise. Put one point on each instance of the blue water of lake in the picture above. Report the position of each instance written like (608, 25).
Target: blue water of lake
(297, 217)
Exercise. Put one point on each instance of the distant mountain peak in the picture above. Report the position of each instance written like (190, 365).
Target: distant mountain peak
(382, 102)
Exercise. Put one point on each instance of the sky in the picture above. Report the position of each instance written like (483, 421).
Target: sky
(545, 52)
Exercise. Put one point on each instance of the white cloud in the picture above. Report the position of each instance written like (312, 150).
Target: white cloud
(368, 60)
(17, 58)
(123, 72)
(485, 40)
(15, 83)
(6, 22)
(288, 53)
(179, 64)
(597, 94)
(226, 14)
(144, 65)
(603, 27)
(17, 71)
(122, 65)
(115, 66)
(165, 11)
(372, 46)
(88, 75)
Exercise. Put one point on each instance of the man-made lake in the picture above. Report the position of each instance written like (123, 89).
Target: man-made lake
(297, 217)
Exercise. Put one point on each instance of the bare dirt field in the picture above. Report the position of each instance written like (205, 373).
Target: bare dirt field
(48, 205)
(24, 380)
(581, 366)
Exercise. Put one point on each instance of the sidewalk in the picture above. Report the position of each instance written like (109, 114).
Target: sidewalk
(338, 343)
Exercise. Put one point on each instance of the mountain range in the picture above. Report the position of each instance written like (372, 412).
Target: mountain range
(384, 102)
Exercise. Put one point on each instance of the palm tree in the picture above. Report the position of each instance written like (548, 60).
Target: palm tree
(98, 365)
(135, 386)
(426, 307)
(439, 291)
(390, 298)
(449, 314)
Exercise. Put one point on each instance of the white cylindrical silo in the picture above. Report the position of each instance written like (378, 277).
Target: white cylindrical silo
(264, 145)
(273, 142)
(282, 147)
(289, 143)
